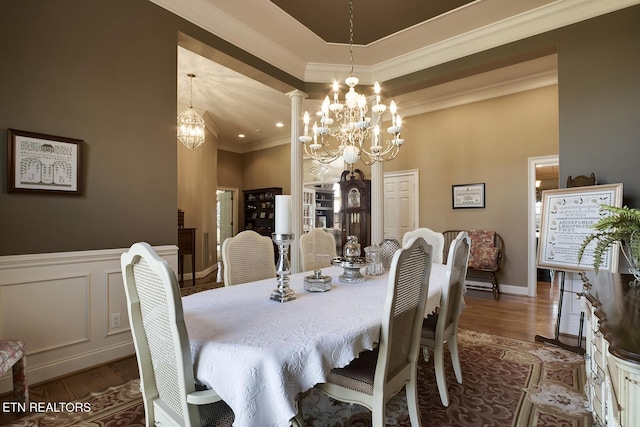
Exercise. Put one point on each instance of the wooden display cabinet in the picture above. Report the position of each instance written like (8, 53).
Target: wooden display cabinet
(259, 210)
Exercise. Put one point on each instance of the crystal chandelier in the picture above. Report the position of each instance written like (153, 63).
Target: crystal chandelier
(190, 124)
(346, 133)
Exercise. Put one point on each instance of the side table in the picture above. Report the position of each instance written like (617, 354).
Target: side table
(186, 246)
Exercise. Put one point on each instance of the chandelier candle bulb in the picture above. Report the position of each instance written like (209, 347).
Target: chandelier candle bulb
(283, 214)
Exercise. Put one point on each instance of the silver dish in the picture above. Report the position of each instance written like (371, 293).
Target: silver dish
(352, 266)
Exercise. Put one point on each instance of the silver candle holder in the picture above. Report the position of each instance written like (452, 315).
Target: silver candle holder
(283, 292)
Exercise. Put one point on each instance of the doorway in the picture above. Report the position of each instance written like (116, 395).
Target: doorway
(226, 216)
(543, 175)
(401, 203)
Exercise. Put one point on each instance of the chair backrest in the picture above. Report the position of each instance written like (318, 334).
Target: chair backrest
(581, 181)
(487, 249)
(318, 248)
(452, 293)
(498, 243)
(247, 257)
(403, 314)
(159, 336)
(433, 238)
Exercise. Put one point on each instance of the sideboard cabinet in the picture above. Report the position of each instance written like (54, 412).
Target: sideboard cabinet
(612, 315)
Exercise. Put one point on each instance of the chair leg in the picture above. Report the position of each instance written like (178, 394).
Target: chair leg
(378, 413)
(412, 402)
(452, 343)
(438, 364)
(20, 384)
(495, 288)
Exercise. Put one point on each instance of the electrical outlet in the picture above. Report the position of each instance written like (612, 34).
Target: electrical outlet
(115, 320)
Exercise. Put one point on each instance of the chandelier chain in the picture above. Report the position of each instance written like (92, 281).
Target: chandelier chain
(351, 36)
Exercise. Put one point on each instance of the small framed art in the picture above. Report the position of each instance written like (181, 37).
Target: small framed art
(43, 163)
(467, 196)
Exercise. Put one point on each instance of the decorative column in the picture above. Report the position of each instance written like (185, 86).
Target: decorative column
(377, 190)
(296, 97)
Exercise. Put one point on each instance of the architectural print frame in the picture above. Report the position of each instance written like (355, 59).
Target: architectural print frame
(465, 196)
(567, 217)
(39, 163)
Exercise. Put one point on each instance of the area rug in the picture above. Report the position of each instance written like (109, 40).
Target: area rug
(188, 290)
(506, 382)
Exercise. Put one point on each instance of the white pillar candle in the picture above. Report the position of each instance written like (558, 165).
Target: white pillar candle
(283, 214)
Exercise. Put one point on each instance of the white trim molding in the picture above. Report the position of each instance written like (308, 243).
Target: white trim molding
(69, 307)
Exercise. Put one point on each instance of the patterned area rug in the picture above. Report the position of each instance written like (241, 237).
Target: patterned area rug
(506, 382)
(188, 290)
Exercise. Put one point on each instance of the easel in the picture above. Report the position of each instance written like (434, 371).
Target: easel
(555, 340)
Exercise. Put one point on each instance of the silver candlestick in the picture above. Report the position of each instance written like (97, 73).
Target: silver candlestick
(283, 292)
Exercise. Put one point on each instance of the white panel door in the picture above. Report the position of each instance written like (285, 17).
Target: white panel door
(400, 203)
(225, 206)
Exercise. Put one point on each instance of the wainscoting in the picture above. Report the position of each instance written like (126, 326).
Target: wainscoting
(70, 308)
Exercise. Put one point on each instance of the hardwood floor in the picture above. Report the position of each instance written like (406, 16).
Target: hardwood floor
(511, 316)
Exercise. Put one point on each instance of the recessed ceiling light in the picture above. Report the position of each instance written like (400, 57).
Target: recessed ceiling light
(241, 135)
(279, 124)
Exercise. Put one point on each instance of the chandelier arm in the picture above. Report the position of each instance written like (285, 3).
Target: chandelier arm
(322, 159)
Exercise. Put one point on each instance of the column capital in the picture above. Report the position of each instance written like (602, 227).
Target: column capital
(297, 94)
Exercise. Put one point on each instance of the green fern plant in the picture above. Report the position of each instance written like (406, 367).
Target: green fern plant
(623, 225)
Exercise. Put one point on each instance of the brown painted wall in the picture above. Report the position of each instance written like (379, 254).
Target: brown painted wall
(87, 70)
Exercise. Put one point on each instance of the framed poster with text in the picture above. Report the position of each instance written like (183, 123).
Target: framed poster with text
(568, 215)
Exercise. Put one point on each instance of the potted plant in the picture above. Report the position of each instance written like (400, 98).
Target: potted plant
(623, 225)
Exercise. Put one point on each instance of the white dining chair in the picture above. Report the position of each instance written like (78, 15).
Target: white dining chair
(317, 248)
(247, 257)
(375, 376)
(162, 345)
(441, 328)
(435, 239)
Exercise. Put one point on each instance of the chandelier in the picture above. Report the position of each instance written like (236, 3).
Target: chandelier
(345, 128)
(190, 124)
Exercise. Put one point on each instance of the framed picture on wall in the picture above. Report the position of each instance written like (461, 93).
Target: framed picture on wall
(43, 163)
(467, 196)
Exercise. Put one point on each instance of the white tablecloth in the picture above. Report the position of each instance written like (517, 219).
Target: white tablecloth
(259, 354)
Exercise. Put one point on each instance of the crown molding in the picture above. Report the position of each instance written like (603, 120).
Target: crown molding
(545, 18)
(537, 21)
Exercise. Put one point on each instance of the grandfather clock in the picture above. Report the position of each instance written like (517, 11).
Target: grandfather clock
(355, 207)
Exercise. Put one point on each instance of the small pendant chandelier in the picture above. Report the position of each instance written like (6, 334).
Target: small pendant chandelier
(352, 127)
(190, 124)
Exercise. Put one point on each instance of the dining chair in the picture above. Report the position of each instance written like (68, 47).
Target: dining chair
(375, 376)
(435, 239)
(13, 356)
(318, 248)
(247, 257)
(162, 345)
(441, 328)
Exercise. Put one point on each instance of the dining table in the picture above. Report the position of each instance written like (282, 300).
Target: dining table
(259, 354)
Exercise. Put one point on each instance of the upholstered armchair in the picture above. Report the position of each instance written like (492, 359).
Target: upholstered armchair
(485, 258)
